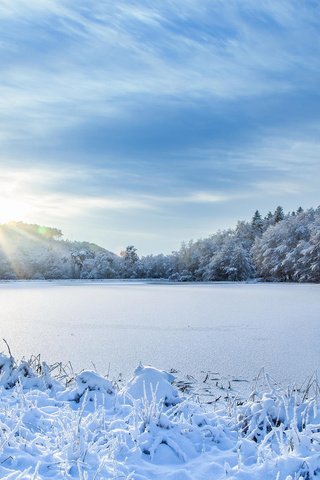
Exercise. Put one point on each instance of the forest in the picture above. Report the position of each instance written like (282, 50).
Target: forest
(283, 247)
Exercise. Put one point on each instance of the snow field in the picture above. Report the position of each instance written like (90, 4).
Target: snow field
(91, 429)
(230, 329)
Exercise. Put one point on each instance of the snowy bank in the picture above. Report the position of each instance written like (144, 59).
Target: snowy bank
(92, 429)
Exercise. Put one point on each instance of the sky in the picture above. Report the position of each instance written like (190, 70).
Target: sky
(150, 123)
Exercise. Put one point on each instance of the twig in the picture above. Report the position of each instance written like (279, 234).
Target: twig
(9, 350)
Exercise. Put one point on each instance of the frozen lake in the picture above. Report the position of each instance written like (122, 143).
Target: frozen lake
(233, 329)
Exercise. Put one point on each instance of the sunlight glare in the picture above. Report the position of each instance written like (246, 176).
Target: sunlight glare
(14, 210)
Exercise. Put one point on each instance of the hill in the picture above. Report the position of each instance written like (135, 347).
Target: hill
(30, 251)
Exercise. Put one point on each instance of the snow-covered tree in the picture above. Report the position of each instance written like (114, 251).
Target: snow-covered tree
(130, 260)
(257, 223)
(283, 251)
(232, 262)
(278, 247)
(278, 215)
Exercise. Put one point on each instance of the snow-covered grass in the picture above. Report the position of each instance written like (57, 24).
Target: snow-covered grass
(93, 429)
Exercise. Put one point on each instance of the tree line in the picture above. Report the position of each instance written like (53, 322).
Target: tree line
(277, 247)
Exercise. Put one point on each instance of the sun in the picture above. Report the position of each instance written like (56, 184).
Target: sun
(14, 209)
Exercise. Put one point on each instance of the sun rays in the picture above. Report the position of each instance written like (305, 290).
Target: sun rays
(11, 235)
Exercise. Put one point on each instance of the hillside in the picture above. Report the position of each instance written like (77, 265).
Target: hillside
(37, 252)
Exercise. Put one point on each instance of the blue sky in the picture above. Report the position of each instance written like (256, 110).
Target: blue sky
(149, 123)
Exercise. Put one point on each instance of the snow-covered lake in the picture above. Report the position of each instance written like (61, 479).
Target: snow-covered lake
(233, 329)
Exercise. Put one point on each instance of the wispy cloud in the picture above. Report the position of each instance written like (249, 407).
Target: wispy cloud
(63, 63)
(139, 114)
(39, 195)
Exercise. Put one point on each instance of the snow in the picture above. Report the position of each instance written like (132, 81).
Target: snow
(231, 329)
(154, 384)
(93, 429)
(159, 424)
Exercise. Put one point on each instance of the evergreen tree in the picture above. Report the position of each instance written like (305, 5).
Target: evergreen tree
(268, 220)
(299, 210)
(257, 223)
(278, 214)
(130, 255)
(131, 259)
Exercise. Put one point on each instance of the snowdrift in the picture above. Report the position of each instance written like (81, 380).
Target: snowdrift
(92, 429)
